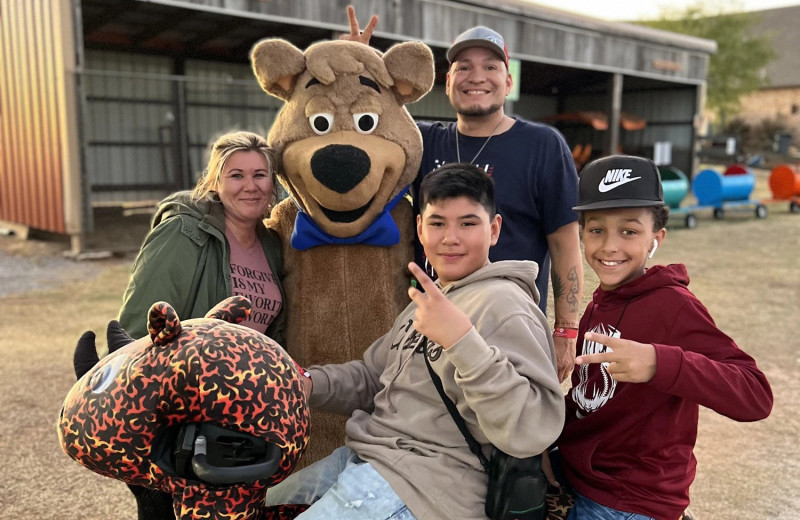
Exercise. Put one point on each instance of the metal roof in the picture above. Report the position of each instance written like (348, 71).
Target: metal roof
(557, 42)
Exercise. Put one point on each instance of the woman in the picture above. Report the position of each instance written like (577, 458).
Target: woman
(206, 245)
(211, 243)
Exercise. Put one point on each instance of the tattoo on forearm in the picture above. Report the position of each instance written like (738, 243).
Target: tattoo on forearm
(573, 298)
(568, 290)
(558, 286)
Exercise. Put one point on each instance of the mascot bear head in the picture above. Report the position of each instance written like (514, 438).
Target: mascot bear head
(207, 410)
(348, 147)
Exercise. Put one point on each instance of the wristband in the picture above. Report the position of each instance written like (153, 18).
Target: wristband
(565, 332)
(303, 371)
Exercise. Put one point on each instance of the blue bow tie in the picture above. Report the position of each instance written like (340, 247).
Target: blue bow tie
(382, 232)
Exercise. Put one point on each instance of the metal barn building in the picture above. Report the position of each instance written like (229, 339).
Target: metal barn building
(112, 102)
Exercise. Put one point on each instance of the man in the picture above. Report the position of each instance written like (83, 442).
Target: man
(533, 170)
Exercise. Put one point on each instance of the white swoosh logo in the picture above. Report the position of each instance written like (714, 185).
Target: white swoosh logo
(608, 187)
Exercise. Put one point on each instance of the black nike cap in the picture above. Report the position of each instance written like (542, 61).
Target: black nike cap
(619, 181)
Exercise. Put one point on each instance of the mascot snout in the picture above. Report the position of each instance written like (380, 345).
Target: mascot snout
(340, 167)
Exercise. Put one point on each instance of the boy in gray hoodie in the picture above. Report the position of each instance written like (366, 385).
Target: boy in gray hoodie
(490, 344)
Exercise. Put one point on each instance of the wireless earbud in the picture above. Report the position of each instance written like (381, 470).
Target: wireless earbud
(653, 251)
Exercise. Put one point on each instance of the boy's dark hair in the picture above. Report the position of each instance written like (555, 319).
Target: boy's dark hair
(455, 180)
(660, 216)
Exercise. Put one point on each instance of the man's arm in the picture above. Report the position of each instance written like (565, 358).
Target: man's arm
(566, 273)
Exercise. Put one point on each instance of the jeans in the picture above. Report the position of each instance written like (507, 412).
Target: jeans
(585, 509)
(340, 486)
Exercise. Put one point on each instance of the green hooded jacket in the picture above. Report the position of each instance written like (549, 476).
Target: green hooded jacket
(185, 261)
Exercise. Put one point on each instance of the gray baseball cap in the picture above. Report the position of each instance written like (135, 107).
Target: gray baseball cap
(479, 36)
(619, 181)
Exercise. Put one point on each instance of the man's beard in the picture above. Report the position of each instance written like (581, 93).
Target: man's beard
(477, 111)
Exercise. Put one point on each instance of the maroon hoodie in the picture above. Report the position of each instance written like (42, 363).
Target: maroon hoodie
(629, 446)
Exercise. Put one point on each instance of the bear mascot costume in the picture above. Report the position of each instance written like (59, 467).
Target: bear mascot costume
(206, 410)
(349, 151)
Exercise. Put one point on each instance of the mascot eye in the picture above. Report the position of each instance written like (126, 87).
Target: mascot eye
(366, 122)
(321, 123)
(106, 374)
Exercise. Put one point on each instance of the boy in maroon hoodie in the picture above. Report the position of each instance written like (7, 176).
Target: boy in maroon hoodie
(648, 355)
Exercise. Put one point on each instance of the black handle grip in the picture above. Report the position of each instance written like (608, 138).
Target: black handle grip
(233, 475)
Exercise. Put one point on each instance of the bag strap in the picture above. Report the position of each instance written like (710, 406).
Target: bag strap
(474, 446)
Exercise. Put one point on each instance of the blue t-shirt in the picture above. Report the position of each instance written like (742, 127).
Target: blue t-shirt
(536, 185)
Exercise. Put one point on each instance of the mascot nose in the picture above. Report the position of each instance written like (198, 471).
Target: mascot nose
(340, 167)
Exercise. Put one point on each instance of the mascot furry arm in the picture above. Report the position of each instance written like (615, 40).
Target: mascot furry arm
(207, 410)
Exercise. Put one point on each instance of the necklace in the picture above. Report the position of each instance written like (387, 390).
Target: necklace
(458, 152)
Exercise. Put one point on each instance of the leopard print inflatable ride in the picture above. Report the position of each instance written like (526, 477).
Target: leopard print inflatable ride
(207, 410)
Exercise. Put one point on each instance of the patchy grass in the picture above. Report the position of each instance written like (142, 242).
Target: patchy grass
(743, 269)
(746, 273)
(38, 333)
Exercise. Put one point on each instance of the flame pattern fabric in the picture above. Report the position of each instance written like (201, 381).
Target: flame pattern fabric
(202, 370)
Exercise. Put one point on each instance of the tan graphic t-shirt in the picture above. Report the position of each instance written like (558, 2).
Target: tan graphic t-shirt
(252, 277)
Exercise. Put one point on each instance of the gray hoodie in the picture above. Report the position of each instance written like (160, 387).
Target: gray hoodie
(501, 376)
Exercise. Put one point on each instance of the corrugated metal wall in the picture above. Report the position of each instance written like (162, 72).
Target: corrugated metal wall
(36, 148)
(127, 98)
(147, 129)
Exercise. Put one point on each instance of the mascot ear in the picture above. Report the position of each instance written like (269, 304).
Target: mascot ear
(116, 337)
(85, 356)
(163, 323)
(235, 309)
(411, 66)
(276, 64)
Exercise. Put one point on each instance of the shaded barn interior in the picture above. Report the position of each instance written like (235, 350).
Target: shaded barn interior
(147, 84)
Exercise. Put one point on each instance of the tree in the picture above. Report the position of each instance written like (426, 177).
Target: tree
(737, 67)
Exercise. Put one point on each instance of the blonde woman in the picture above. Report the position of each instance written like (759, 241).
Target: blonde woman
(211, 243)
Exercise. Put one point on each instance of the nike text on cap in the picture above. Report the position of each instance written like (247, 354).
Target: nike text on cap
(619, 181)
(478, 37)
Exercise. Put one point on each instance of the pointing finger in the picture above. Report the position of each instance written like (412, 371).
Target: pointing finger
(367, 33)
(608, 341)
(351, 16)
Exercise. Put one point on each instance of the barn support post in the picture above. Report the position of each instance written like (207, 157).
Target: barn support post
(614, 109)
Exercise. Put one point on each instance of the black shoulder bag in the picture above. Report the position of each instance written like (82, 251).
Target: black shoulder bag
(517, 487)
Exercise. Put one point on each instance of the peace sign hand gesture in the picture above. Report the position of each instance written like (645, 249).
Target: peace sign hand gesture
(436, 317)
(356, 34)
(626, 361)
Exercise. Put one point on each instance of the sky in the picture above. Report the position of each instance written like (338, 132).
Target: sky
(631, 10)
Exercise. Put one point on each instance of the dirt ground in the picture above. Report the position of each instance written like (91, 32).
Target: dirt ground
(745, 271)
